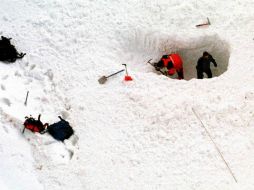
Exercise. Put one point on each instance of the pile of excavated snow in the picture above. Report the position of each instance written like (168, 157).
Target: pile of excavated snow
(140, 134)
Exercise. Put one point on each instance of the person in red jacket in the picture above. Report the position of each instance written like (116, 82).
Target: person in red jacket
(173, 63)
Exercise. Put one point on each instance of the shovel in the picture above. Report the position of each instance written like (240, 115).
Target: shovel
(103, 79)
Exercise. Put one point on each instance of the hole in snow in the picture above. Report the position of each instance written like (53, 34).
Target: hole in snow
(142, 47)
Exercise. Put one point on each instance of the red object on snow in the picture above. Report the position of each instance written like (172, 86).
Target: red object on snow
(34, 125)
(127, 78)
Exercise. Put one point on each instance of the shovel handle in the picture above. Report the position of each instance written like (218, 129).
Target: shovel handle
(115, 73)
(126, 69)
(150, 62)
(154, 66)
(206, 24)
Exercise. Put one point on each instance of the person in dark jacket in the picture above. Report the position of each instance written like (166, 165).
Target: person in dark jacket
(203, 65)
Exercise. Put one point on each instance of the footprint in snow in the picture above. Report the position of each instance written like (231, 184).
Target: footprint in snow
(50, 74)
(64, 114)
(17, 74)
(6, 101)
(32, 67)
(74, 139)
(5, 77)
(70, 153)
(3, 87)
(70, 145)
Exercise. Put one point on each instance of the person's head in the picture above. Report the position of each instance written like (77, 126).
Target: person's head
(205, 54)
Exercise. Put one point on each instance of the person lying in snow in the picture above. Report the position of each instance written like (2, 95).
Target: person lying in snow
(173, 64)
(203, 65)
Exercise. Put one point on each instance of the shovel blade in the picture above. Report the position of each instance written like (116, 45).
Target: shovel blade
(102, 80)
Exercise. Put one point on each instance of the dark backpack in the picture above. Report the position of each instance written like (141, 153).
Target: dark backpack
(34, 125)
(60, 130)
(8, 51)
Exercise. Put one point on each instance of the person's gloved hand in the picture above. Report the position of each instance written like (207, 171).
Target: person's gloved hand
(165, 73)
(215, 64)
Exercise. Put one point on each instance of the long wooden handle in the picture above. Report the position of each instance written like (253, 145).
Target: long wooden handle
(115, 73)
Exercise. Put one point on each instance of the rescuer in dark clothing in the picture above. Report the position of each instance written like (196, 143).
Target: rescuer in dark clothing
(203, 65)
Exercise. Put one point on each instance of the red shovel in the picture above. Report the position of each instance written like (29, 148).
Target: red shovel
(127, 77)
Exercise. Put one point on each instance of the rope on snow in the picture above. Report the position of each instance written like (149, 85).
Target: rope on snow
(215, 145)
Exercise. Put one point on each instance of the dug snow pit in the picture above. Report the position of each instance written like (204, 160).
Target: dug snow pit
(145, 46)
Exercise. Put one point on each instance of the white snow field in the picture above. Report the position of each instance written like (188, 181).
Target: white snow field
(136, 135)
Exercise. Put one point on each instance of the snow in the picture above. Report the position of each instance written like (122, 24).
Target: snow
(140, 134)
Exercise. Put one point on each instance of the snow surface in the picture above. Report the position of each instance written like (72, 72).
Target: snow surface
(137, 135)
